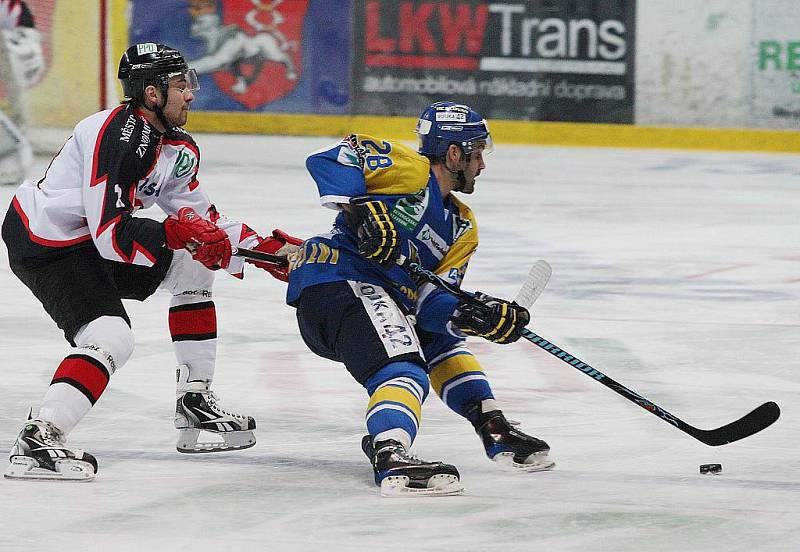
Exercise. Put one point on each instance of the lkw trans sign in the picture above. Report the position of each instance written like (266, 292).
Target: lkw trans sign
(497, 36)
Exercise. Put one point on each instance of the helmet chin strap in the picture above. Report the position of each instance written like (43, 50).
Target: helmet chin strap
(459, 176)
(158, 109)
(160, 114)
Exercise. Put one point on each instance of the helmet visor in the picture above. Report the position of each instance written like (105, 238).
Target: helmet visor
(422, 130)
(484, 143)
(185, 81)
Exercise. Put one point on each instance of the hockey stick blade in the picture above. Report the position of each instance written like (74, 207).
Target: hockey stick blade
(757, 420)
(277, 260)
(760, 418)
(534, 284)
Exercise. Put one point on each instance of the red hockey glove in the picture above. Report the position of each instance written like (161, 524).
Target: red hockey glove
(207, 242)
(280, 243)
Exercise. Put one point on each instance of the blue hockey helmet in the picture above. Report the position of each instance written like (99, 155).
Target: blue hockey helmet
(445, 123)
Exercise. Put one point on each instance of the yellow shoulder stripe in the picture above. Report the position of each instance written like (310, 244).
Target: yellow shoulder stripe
(392, 168)
(465, 245)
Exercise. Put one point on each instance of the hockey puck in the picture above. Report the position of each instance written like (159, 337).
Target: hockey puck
(710, 468)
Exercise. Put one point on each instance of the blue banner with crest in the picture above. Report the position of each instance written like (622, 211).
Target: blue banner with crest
(284, 56)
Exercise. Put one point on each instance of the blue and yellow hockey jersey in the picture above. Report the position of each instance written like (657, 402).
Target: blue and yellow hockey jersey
(438, 232)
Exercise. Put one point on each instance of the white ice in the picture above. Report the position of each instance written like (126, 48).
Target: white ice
(675, 273)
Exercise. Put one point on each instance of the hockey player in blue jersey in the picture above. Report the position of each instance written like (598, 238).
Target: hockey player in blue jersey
(357, 306)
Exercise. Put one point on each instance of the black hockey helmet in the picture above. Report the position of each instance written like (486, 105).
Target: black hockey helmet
(152, 63)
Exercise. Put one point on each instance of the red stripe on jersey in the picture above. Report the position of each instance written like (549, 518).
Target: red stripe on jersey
(136, 247)
(187, 143)
(43, 241)
(246, 233)
(85, 373)
(104, 227)
(193, 322)
(95, 157)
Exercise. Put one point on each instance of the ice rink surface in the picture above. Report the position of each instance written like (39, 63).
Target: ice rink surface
(675, 273)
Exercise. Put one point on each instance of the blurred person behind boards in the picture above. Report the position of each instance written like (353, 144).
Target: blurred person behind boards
(21, 66)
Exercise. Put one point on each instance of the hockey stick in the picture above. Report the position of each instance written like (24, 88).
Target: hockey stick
(760, 418)
(534, 284)
(277, 260)
(532, 287)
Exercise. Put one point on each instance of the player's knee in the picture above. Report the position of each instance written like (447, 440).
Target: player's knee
(112, 335)
(410, 371)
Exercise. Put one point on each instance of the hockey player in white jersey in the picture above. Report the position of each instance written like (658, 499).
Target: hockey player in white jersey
(73, 240)
(21, 66)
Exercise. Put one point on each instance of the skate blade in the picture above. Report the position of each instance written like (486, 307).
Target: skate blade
(538, 461)
(231, 440)
(439, 485)
(23, 467)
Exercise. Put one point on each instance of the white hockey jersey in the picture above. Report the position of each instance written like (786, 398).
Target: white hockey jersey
(114, 164)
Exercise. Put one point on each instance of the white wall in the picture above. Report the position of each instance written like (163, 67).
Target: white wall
(697, 63)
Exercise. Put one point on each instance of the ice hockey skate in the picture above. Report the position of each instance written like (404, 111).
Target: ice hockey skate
(510, 447)
(401, 474)
(198, 410)
(39, 453)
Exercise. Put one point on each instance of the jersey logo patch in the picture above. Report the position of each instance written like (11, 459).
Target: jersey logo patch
(408, 212)
(460, 226)
(456, 274)
(351, 154)
(184, 164)
(433, 241)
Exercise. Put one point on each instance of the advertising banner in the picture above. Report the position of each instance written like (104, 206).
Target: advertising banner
(776, 64)
(288, 56)
(546, 60)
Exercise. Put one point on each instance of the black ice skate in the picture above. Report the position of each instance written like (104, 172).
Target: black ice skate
(506, 445)
(198, 409)
(401, 474)
(39, 453)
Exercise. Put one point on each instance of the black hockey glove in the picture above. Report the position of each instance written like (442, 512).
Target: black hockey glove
(377, 235)
(496, 320)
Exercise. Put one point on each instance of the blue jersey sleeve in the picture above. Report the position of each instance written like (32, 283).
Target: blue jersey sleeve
(435, 312)
(338, 174)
